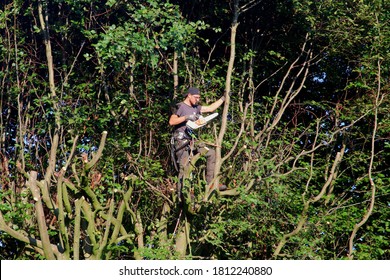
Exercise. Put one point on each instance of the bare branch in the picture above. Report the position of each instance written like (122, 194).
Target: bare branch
(378, 100)
(40, 215)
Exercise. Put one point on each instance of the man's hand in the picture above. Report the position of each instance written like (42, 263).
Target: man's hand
(192, 117)
(223, 98)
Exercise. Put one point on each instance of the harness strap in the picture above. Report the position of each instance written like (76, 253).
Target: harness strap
(185, 143)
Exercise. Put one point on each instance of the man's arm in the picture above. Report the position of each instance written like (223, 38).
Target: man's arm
(212, 107)
(175, 119)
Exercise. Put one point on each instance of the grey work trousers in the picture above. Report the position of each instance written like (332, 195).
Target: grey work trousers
(183, 157)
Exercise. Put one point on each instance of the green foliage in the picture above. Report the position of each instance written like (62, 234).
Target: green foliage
(158, 250)
(152, 28)
(113, 65)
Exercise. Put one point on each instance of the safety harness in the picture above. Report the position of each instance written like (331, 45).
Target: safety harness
(181, 140)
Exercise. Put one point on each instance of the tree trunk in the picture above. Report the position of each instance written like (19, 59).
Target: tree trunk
(218, 160)
(182, 239)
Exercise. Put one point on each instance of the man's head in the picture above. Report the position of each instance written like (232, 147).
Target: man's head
(192, 95)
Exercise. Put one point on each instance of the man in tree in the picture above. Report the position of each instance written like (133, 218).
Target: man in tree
(184, 142)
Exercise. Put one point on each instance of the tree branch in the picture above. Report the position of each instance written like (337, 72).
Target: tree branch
(378, 100)
(40, 215)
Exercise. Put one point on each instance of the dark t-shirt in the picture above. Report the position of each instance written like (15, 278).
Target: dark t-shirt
(183, 109)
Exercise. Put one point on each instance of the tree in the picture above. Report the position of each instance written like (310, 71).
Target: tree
(77, 198)
(302, 141)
